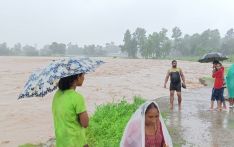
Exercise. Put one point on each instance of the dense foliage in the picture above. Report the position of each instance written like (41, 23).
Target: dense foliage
(108, 122)
(159, 45)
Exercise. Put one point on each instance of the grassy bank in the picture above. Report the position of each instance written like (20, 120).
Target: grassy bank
(108, 123)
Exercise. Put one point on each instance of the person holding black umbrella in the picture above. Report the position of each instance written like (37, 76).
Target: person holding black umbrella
(217, 92)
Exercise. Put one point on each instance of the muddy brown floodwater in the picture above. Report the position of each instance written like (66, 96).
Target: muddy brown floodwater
(195, 124)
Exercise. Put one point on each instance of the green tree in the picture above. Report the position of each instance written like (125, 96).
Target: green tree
(150, 45)
(195, 45)
(30, 51)
(89, 50)
(73, 49)
(177, 42)
(164, 44)
(140, 36)
(133, 48)
(4, 50)
(17, 49)
(210, 40)
(186, 45)
(92, 50)
(130, 45)
(176, 33)
(111, 48)
(58, 48)
(227, 46)
(46, 51)
(158, 45)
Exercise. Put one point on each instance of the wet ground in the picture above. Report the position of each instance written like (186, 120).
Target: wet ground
(195, 124)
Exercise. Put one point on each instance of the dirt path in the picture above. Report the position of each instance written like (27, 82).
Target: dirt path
(196, 125)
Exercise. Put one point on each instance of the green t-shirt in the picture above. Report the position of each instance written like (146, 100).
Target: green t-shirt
(66, 107)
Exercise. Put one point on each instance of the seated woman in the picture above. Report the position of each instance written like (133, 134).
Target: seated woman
(146, 128)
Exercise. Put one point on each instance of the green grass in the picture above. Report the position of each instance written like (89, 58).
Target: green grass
(31, 145)
(231, 59)
(108, 122)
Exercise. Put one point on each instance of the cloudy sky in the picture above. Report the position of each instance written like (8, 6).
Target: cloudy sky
(99, 21)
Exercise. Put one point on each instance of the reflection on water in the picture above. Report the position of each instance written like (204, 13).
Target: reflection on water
(195, 125)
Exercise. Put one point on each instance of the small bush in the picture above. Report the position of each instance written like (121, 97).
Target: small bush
(108, 122)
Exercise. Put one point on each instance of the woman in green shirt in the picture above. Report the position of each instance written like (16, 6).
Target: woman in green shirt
(69, 113)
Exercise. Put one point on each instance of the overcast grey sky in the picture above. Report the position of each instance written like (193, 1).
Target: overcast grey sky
(99, 21)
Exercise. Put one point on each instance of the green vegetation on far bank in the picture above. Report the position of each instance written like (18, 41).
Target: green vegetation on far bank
(196, 58)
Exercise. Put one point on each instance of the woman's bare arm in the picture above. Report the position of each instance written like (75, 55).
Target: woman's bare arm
(84, 119)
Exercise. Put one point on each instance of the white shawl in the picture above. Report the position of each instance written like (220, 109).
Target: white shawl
(134, 133)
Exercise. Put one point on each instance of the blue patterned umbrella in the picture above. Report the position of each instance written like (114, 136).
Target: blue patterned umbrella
(46, 80)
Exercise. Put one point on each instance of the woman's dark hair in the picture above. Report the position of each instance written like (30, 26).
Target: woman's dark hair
(152, 105)
(66, 82)
(173, 61)
(216, 62)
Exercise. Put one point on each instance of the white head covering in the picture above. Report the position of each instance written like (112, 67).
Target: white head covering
(134, 133)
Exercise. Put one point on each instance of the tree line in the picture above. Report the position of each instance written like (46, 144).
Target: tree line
(159, 45)
(58, 49)
(138, 44)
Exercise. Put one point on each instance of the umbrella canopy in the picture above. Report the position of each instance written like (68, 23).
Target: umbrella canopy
(210, 57)
(46, 80)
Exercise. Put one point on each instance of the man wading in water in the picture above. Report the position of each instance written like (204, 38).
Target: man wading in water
(175, 75)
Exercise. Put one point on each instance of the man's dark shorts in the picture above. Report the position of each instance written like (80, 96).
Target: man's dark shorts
(217, 94)
(175, 86)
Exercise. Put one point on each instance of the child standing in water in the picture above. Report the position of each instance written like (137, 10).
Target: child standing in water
(217, 93)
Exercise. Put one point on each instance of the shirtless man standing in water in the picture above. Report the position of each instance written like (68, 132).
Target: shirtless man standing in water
(175, 75)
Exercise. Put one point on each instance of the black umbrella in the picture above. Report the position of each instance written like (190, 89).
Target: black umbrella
(210, 57)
